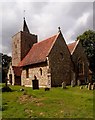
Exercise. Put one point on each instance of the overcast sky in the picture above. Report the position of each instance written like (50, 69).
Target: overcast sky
(43, 19)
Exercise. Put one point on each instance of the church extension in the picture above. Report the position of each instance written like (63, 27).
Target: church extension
(51, 61)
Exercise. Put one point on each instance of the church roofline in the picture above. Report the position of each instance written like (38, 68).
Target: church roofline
(75, 47)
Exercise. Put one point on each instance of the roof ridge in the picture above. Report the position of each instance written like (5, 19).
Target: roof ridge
(44, 39)
(75, 47)
(53, 43)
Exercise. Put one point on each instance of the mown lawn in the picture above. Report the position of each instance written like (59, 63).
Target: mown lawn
(56, 103)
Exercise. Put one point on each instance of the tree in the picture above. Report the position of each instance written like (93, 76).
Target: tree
(88, 42)
(5, 60)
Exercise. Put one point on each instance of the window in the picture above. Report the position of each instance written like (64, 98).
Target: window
(80, 66)
(15, 45)
(27, 73)
(40, 71)
(62, 56)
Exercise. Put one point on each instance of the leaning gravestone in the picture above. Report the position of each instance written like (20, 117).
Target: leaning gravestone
(63, 85)
(78, 82)
(89, 86)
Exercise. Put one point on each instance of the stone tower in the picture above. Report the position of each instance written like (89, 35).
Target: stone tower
(21, 44)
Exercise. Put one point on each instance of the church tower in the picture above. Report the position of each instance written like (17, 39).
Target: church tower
(21, 44)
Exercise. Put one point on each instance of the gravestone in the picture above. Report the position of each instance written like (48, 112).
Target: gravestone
(92, 87)
(78, 82)
(81, 87)
(86, 86)
(89, 86)
(64, 85)
(72, 83)
(35, 83)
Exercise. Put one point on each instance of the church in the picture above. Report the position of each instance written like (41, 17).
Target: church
(50, 61)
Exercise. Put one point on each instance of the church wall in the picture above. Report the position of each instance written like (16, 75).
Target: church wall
(79, 53)
(60, 63)
(21, 44)
(27, 41)
(35, 70)
(16, 49)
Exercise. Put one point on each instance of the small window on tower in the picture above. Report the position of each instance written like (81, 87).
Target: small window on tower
(40, 71)
(27, 73)
(15, 45)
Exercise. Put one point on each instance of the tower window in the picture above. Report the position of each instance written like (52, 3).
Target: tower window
(40, 71)
(15, 45)
(27, 73)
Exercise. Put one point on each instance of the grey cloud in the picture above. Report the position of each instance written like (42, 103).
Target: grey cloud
(43, 19)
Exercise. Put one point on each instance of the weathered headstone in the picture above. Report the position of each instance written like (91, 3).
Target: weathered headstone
(35, 84)
(92, 87)
(72, 83)
(81, 87)
(89, 86)
(78, 82)
(86, 86)
(64, 85)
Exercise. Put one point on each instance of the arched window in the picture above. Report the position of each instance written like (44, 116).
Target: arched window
(80, 66)
(27, 73)
(40, 71)
(62, 56)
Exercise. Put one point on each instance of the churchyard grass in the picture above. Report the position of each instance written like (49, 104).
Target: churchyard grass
(72, 102)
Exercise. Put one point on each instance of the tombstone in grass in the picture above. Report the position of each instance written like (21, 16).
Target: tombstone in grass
(89, 86)
(81, 87)
(63, 85)
(86, 86)
(35, 83)
(72, 83)
(78, 82)
(94, 85)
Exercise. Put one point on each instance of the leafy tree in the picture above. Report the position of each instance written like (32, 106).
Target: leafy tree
(5, 61)
(88, 42)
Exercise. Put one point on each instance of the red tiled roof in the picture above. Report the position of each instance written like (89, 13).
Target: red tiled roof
(38, 52)
(17, 70)
(71, 46)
